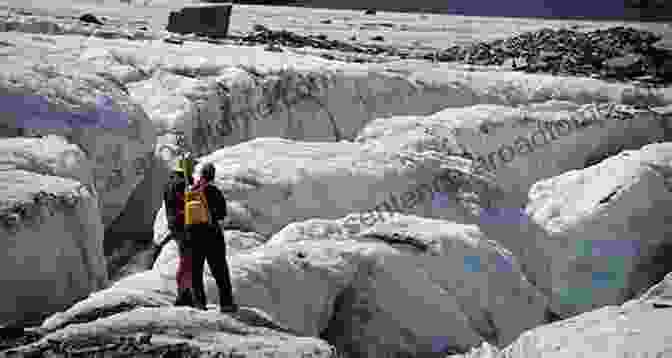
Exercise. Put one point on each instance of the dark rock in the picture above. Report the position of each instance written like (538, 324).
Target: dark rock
(550, 316)
(212, 21)
(618, 52)
(91, 19)
(11, 332)
(326, 21)
(538, 66)
(548, 55)
(370, 12)
(629, 64)
(378, 38)
(175, 41)
(260, 28)
(11, 337)
(264, 35)
(445, 56)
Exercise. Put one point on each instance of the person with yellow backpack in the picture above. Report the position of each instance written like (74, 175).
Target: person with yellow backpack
(205, 205)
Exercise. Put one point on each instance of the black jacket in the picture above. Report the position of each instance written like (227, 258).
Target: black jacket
(173, 196)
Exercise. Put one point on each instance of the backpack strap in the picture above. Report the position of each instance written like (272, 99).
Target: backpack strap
(204, 199)
(205, 202)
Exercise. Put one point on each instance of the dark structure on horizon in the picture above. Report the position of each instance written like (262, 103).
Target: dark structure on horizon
(631, 10)
(208, 20)
(650, 10)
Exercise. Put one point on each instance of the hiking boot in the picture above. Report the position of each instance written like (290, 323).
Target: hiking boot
(229, 308)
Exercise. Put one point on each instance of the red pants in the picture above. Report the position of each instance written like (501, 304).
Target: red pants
(184, 272)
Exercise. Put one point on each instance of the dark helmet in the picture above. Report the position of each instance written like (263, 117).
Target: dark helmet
(208, 171)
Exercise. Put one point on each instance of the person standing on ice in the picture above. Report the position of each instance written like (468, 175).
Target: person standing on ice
(205, 207)
(173, 196)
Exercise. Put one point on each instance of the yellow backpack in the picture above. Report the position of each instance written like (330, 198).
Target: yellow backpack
(195, 208)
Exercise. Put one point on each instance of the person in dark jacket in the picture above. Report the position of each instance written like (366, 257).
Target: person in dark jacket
(173, 196)
(208, 243)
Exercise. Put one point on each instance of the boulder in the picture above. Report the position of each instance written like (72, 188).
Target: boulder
(434, 265)
(464, 288)
(106, 140)
(143, 289)
(282, 181)
(578, 138)
(522, 145)
(146, 288)
(52, 235)
(51, 95)
(177, 331)
(636, 328)
(595, 220)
